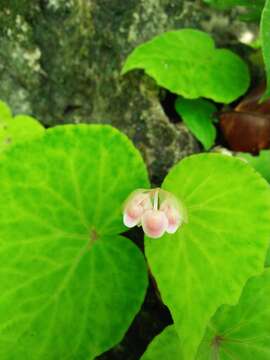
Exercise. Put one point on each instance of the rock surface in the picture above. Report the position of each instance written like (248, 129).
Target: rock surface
(60, 61)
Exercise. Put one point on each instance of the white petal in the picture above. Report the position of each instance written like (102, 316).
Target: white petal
(172, 227)
(154, 223)
(130, 221)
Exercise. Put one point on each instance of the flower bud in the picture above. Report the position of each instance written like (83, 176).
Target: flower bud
(173, 215)
(156, 210)
(135, 205)
(154, 223)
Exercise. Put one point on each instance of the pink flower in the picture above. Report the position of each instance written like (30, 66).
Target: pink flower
(157, 210)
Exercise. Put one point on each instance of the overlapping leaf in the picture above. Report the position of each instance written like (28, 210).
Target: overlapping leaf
(187, 63)
(207, 262)
(235, 332)
(69, 285)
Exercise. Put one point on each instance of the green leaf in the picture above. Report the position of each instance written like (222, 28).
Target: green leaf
(253, 8)
(235, 332)
(165, 346)
(261, 162)
(5, 112)
(208, 260)
(241, 331)
(227, 4)
(187, 63)
(198, 117)
(265, 38)
(70, 286)
(18, 129)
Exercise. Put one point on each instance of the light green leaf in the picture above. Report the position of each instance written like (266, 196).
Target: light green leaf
(261, 162)
(70, 286)
(265, 38)
(5, 112)
(198, 117)
(223, 244)
(18, 129)
(235, 332)
(241, 331)
(187, 63)
(165, 346)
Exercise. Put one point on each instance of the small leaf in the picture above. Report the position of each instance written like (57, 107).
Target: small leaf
(70, 285)
(223, 243)
(187, 63)
(253, 7)
(261, 162)
(198, 117)
(235, 332)
(18, 129)
(5, 112)
(265, 36)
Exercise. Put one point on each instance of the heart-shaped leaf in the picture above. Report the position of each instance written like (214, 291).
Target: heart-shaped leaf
(187, 63)
(241, 331)
(235, 332)
(208, 260)
(198, 117)
(70, 286)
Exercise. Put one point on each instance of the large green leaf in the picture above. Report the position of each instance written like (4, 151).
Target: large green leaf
(208, 260)
(241, 331)
(187, 63)
(265, 37)
(14, 130)
(198, 117)
(235, 332)
(260, 162)
(70, 286)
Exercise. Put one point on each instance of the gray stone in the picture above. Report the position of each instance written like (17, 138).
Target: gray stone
(60, 61)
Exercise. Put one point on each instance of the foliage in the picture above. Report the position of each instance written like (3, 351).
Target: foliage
(265, 36)
(165, 346)
(187, 63)
(70, 285)
(211, 257)
(235, 332)
(253, 7)
(261, 162)
(198, 115)
(17, 129)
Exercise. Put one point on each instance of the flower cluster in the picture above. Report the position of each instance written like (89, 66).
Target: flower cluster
(156, 210)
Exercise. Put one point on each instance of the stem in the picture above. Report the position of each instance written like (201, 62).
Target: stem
(156, 200)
